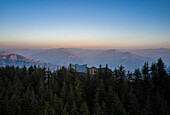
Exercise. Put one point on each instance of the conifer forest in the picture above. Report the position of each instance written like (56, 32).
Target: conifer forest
(39, 91)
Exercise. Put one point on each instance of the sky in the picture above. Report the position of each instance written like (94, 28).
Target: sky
(92, 24)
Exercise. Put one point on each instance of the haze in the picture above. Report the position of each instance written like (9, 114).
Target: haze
(93, 24)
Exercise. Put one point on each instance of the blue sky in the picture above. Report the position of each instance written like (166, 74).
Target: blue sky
(97, 24)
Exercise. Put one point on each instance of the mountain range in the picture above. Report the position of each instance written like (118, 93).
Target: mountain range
(130, 59)
(8, 58)
(163, 53)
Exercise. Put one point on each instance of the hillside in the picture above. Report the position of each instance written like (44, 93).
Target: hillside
(163, 53)
(8, 58)
(113, 58)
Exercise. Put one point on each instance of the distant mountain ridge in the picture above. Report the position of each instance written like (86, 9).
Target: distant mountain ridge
(4, 55)
(112, 57)
(24, 52)
(59, 56)
(9, 58)
(163, 53)
(128, 58)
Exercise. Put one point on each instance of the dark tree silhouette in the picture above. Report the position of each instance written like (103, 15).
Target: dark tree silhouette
(66, 92)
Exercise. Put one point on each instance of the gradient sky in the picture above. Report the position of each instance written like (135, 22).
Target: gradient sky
(97, 24)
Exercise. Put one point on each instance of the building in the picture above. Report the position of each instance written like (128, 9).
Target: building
(92, 71)
(78, 68)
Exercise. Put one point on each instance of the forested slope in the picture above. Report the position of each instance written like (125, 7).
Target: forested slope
(66, 92)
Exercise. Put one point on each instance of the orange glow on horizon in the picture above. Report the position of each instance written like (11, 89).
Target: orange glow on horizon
(83, 45)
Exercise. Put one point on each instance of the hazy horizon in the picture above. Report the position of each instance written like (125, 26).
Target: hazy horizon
(123, 49)
(87, 24)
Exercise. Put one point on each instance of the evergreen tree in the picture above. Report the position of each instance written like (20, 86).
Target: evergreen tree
(74, 110)
(101, 92)
(78, 92)
(47, 109)
(97, 109)
(145, 70)
(131, 103)
(161, 68)
(84, 109)
(30, 69)
(65, 110)
(56, 102)
(70, 97)
(147, 107)
(14, 105)
(63, 93)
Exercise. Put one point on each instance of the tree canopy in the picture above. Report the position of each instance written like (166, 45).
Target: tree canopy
(66, 92)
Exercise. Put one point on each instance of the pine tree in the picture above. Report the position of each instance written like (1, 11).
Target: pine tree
(61, 106)
(30, 69)
(84, 109)
(117, 107)
(78, 92)
(131, 103)
(14, 104)
(145, 70)
(56, 102)
(109, 100)
(63, 92)
(74, 110)
(53, 112)
(138, 86)
(70, 97)
(41, 95)
(65, 110)
(147, 107)
(97, 109)
(161, 68)
(47, 109)
(96, 106)
(102, 93)
(29, 102)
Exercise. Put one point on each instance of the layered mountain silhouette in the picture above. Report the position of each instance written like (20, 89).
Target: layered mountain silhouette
(163, 53)
(114, 58)
(130, 59)
(9, 58)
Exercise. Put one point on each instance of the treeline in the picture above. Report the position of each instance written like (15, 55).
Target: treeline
(37, 91)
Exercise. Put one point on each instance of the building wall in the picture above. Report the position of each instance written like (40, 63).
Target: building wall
(92, 71)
